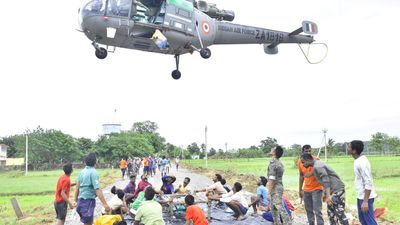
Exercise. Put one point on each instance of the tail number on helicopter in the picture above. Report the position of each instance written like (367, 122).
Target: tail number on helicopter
(270, 36)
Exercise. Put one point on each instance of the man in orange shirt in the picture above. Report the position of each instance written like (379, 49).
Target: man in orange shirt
(312, 191)
(123, 166)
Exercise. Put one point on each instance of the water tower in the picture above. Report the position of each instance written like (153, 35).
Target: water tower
(113, 126)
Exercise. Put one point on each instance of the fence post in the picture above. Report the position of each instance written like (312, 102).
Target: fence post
(17, 209)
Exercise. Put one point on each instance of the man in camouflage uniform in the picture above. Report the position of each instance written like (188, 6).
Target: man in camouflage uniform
(333, 187)
(275, 188)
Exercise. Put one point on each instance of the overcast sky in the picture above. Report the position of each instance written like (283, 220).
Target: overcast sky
(50, 77)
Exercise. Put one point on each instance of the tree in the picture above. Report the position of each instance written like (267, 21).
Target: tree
(295, 149)
(378, 141)
(126, 144)
(194, 149)
(145, 127)
(394, 144)
(85, 145)
(267, 144)
(212, 152)
(170, 149)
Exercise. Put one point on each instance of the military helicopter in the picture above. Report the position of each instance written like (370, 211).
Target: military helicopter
(176, 27)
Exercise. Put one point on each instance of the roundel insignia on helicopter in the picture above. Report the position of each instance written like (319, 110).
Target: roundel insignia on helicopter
(205, 27)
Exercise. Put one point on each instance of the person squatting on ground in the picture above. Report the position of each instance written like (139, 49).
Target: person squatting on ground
(117, 202)
(214, 189)
(268, 215)
(149, 212)
(260, 200)
(130, 188)
(167, 186)
(275, 188)
(184, 188)
(63, 188)
(333, 187)
(142, 185)
(312, 190)
(235, 200)
(363, 183)
(225, 185)
(87, 188)
(194, 213)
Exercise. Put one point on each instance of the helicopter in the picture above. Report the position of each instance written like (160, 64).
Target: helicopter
(176, 27)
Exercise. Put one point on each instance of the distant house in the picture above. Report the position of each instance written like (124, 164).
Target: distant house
(195, 157)
(3, 154)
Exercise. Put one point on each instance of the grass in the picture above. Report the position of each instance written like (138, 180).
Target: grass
(35, 194)
(386, 173)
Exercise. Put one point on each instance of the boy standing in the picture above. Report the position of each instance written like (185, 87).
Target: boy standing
(363, 183)
(87, 189)
(62, 194)
(194, 213)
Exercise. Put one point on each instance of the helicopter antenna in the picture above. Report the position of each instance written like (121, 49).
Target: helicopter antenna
(306, 52)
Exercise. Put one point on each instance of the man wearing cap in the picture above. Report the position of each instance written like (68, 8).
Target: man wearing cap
(275, 188)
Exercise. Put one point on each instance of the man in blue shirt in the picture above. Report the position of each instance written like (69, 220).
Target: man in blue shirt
(87, 188)
(167, 186)
(261, 198)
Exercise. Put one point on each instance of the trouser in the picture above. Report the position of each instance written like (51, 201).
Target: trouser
(336, 211)
(366, 218)
(313, 206)
(278, 210)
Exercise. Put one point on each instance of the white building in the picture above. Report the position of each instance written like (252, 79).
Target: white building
(3, 154)
(111, 128)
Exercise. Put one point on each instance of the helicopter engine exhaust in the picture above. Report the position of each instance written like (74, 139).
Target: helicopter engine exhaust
(271, 49)
(211, 10)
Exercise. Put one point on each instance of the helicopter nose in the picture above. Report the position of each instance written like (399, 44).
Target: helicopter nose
(80, 20)
(90, 9)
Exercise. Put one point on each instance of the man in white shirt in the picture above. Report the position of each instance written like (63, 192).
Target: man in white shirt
(234, 200)
(214, 189)
(363, 184)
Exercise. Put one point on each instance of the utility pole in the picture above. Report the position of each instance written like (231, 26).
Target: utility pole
(206, 146)
(226, 146)
(26, 153)
(326, 150)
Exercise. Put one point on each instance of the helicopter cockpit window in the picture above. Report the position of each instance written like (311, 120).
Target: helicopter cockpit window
(93, 7)
(119, 8)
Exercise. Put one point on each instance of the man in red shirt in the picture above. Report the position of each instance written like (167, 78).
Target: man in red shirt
(142, 185)
(194, 213)
(311, 192)
(62, 194)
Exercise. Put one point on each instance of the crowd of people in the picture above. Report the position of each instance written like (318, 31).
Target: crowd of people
(143, 202)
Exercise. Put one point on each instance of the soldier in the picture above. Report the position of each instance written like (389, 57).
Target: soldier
(333, 187)
(275, 188)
